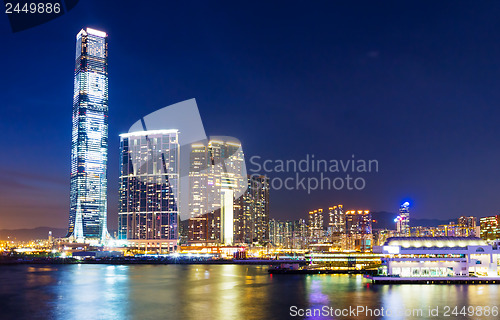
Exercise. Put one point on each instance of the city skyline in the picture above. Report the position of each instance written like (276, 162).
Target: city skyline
(398, 127)
(253, 160)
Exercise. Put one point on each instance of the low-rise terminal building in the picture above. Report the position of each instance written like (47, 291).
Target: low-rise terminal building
(427, 257)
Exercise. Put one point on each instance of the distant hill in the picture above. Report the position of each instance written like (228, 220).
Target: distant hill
(31, 234)
(385, 220)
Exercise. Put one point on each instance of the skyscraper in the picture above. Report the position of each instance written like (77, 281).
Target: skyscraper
(336, 226)
(149, 187)
(315, 226)
(89, 140)
(403, 220)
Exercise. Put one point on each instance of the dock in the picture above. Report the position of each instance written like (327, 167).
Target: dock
(434, 280)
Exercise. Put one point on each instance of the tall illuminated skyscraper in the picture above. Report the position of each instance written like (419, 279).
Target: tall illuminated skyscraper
(89, 140)
(403, 220)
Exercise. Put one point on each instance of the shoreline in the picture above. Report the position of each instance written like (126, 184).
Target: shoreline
(121, 261)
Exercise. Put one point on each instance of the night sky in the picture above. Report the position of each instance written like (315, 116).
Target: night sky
(414, 85)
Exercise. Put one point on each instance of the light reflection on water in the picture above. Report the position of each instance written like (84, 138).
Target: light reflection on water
(208, 292)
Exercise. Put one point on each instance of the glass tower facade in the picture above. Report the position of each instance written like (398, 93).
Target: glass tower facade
(149, 185)
(89, 140)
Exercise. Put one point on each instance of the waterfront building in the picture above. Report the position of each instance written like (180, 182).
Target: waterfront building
(414, 257)
(490, 227)
(215, 182)
(359, 236)
(89, 139)
(403, 220)
(149, 188)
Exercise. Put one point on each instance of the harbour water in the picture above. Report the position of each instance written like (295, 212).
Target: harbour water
(224, 292)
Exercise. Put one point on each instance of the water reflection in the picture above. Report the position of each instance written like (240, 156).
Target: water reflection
(210, 292)
(91, 291)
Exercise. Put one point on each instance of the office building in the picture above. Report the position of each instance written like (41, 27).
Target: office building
(149, 188)
(89, 140)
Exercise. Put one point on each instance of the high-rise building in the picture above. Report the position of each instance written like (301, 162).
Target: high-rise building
(336, 226)
(89, 140)
(281, 233)
(275, 232)
(359, 235)
(288, 234)
(403, 220)
(315, 225)
(252, 212)
(300, 234)
(490, 227)
(149, 187)
(215, 183)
